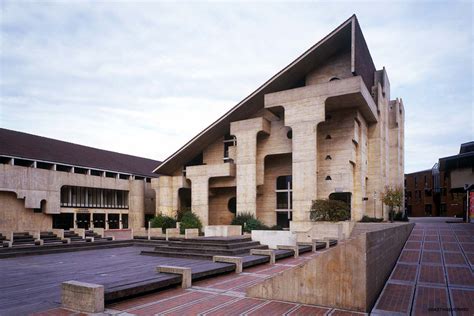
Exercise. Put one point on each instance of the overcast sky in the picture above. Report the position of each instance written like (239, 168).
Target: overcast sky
(144, 78)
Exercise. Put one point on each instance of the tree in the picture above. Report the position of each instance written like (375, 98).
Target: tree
(393, 198)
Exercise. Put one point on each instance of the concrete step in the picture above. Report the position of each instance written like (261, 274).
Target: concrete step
(211, 251)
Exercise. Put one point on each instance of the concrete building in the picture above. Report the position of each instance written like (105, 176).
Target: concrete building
(47, 183)
(323, 127)
(441, 191)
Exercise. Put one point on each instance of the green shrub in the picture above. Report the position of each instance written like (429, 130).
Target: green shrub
(276, 227)
(330, 210)
(399, 216)
(163, 221)
(248, 222)
(189, 220)
(368, 219)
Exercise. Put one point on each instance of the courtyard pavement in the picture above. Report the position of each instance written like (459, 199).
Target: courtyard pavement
(434, 273)
(433, 276)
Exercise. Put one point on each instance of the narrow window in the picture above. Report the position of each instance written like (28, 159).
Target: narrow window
(328, 157)
(328, 178)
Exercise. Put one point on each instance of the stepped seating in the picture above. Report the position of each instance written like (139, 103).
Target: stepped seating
(97, 237)
(50, 238)
(73, 236)
(23, 239)
(206, 248)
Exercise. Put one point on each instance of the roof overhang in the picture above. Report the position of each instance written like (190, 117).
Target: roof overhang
(347, 36)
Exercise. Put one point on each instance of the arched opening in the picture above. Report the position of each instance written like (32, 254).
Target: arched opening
(184, 195)
(334, 79)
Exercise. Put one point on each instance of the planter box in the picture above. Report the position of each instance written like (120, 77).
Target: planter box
(274, 238)
(222, 230)
(308, 230)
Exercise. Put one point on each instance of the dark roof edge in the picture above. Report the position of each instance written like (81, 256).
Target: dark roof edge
(351, 19)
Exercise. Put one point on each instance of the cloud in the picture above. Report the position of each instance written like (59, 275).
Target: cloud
(143, 78)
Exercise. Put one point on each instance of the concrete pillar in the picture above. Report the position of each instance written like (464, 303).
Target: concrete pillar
(200, 198)
(91, 220)
(167, 193)
(106, 220)
(304, 168)
(75, 220)
(120, 221)
(246, 161)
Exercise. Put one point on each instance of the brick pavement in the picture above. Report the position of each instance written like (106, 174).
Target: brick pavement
(434, 273)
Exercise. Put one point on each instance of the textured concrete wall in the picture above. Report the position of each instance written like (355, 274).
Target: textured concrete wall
(348, 276)
(14, 216)
(275, 166)
(338, 66)
(33, 185)
(219, 213)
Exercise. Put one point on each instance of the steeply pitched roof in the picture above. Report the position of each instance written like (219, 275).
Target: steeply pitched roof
(346, 37)
(28, 146)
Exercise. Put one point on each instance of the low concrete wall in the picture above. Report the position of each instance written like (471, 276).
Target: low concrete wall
(119, 234)
(273, 238)
(222, 230)
(308, 230)
(349, 276)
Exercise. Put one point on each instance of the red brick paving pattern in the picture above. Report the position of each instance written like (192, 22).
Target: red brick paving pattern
(202, 306)
(396, 298)
(433, 257)
(162, 306)
(462, 301)
(273, 308)
(432, 274)
(236, 308)
(306, 310)
(427, 298)
(404, 272)
(442, 268)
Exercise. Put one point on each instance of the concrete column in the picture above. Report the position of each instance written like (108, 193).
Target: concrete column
(91, 220)
(106, 220)
(120, 221)
(304, 168)
(75, 220)
(167, 193)
(200, 198)
(246, 161)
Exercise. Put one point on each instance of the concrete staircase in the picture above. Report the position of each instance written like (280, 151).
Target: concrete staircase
(50, 238)
(201, 248)
(97, 237)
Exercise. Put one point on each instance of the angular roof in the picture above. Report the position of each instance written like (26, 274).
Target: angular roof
(346, 37)
(33, 147)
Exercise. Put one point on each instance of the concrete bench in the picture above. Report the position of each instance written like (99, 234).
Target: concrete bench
(66, 240)
(264, 252)
(312, 244)
(184, 272)
(191, 233)
(7, 244)
(89, 239)
(325, 240)
(296, 250)
(238, 261)
(82, 297)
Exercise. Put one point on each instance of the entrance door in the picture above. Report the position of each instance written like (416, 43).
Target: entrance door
(83, 220)
(284, 218)
(99, 220)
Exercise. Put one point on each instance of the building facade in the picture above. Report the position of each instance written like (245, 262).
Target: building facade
(323, 127)
(441, 191)
(46, 183)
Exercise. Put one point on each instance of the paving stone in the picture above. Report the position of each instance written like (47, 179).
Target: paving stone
(162, 306)
(447, 238)
(454, 258)
(202, 306)
(413, 245)
(432, 274)
(415, 238)
(305, 310)
(395, 298)
(409, 256)
(467, 246)
(431, 300)
(460, 276)
(273, 308)
(431, 238)
(462, 301)
(404, 272)
(431, 246)
(450, 246)
(236, 308)
(431, 257)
